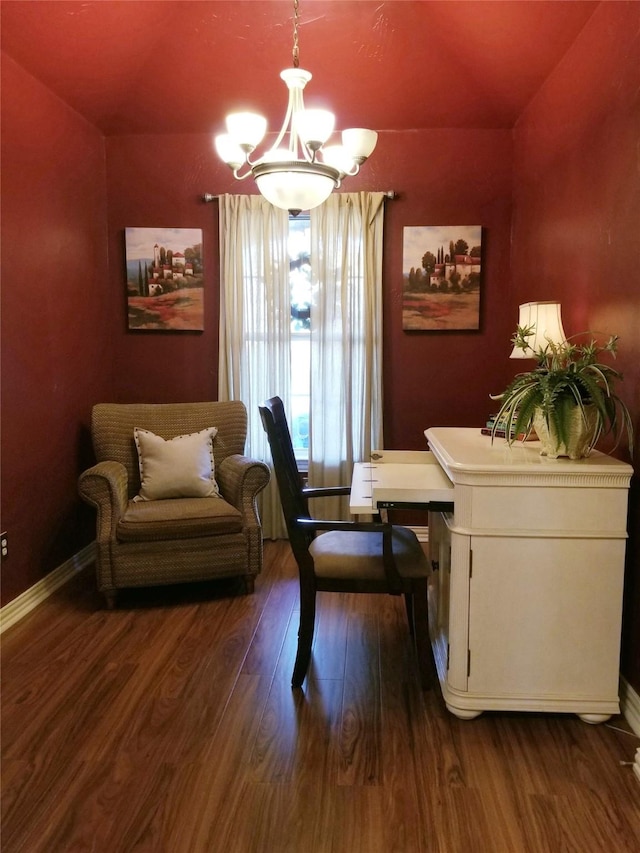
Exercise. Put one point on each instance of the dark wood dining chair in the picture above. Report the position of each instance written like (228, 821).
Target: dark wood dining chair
(344, 556)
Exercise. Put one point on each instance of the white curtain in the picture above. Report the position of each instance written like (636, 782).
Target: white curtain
(255, 322)
(346, 340)
(346, 332)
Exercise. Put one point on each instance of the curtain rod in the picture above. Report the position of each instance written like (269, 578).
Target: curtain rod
(209, 197)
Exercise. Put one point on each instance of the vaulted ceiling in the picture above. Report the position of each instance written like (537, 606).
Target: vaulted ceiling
(179, 67)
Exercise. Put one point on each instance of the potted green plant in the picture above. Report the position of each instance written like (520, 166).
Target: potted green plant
(568, 398)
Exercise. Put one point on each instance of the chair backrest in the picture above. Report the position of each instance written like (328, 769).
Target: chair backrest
(112, 426)
(294, 502)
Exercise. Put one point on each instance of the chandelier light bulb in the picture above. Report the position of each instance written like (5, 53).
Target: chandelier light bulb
(277, 155)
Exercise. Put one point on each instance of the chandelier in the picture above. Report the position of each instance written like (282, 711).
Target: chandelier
(299, 171)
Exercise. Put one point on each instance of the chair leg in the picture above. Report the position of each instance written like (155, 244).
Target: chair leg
(421, 635)
(249, 582)
(110, 597)
(305, 634)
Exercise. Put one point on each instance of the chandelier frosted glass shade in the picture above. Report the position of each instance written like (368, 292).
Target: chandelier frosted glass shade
(248, 129)
(546, 321)
(314, 127)
(359, 142)
(229, 151)
(295, 185)
(302, 173)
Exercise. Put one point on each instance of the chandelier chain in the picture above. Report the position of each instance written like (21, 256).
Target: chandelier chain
(296, 60)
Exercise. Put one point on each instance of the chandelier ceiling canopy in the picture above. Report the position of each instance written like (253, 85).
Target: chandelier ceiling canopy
(300, 170)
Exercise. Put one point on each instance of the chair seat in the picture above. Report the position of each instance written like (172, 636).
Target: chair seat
(357, 554)
(178, 518)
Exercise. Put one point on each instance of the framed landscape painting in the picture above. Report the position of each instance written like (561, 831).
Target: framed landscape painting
(164, 279)
(441, 277)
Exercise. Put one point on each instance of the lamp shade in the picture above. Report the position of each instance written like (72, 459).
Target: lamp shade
(546, 321)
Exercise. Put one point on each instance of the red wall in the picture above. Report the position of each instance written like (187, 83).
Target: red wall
(445, 177)
(452, 177)
(56, 317)
(576, 232)
(158, 181)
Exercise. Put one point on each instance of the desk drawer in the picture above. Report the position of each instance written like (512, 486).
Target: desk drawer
(418, 483)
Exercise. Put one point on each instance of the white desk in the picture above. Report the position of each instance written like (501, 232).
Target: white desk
(526, 596)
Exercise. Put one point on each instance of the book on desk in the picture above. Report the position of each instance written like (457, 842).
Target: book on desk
(499, 430)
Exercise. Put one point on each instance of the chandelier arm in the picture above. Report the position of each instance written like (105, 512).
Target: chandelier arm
(288, 119)
(353, 170)
(249, 162)
(297, 143)
(248, 174)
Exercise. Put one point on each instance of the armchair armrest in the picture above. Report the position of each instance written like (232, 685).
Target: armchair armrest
(105, 486)
(240, 480)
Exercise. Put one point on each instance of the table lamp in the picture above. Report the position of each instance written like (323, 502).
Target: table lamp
(547, 326)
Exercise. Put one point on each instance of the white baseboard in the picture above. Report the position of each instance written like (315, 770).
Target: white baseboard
(630, 705)
(36, 594)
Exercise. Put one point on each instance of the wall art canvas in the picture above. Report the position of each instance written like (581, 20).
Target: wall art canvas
(165, 279)
(441, 277)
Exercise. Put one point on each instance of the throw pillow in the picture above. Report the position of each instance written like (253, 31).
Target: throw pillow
(181, 467)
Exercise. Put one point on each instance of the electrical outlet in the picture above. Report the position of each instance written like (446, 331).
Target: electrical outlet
(4, 545)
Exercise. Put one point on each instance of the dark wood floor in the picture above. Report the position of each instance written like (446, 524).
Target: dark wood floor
(170, 725)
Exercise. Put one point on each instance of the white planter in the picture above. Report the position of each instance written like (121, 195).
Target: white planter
(581, 431)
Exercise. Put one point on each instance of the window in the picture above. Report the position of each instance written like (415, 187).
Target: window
(336, 371)
(299, 247)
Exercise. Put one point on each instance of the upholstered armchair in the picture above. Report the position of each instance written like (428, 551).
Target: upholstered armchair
(174, 494)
